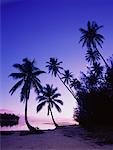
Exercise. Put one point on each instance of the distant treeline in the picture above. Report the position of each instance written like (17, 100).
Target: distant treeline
(8, 119)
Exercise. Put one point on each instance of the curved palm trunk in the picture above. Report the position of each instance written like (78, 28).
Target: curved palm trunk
(26, 120)
(66, 86)
(56, 125)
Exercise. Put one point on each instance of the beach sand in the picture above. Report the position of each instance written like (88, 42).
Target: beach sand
(63, 138)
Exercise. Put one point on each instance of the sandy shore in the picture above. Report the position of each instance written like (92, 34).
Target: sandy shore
(66, 138)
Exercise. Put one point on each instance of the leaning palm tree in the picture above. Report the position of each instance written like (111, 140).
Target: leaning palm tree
(28, 78)
(55, 69)
(91, 38)
(49, 96)
(67, 77)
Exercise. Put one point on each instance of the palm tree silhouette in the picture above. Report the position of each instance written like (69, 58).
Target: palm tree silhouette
(91, 38)
(49, 96)
(28, 78)
(97, 69)
(75, 83)
(109, 73)
(67, 76)
(54, 68)
(92, 56)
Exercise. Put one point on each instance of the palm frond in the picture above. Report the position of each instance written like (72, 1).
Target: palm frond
(19, 67)
(36, 84)
(89, 25)
(41, 98)
(82, 38)
(56, 95)
(83, 30)
(84, 42)
(18, 84)
(57, 107)
(98, 43)
(99, 27)
(59, 62)
(58, 101)
(17, 75)
(39, 107)
(38, 72)
(54, 90)
(100, 36)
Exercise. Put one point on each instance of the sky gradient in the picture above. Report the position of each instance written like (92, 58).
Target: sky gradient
(42, 29)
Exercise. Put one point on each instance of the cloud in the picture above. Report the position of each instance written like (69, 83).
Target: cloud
(6, 111)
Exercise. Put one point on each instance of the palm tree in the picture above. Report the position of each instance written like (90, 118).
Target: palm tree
(49, 96)
(75, 83)
(28, 78)
(110, 60)
(109, 73)
(92, 81)
(97, 69)
(67, 76)
(54, 68)
(92, 56)
(91, 38)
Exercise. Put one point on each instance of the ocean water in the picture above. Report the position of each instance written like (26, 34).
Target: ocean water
(43, 124)
(22, 126)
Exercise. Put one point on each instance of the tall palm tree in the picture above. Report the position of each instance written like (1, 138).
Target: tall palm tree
(28, 77)
(91, 38)
(54, 68)
(49, 96)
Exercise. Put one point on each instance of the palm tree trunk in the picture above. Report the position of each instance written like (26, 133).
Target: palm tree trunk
(26, 120)
(102, 58)
(56, 125)
(71, 90)
(66, 86)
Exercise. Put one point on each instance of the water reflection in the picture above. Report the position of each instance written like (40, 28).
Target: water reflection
(43, 124)
(22, 126)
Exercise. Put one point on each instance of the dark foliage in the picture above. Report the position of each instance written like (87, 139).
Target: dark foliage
(95, 107)
(95, 96)
(8, 119)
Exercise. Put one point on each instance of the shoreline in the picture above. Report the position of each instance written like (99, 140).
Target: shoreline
(63, 138)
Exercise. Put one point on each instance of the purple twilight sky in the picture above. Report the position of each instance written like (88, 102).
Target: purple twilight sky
(42, 29)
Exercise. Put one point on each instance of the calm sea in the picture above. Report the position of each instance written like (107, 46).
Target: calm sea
(41, 123)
